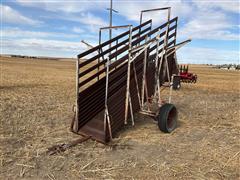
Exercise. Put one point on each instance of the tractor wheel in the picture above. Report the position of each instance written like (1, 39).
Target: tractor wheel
(167, 118)
(195, 79)
(179, 85)
(176, 82)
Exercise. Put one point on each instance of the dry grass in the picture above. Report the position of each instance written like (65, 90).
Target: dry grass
(36, 100)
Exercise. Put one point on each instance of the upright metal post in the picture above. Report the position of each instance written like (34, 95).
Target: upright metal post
(77, 96)
(165, 46)
(170, 93)
(176, 32)
(156, 65)
(110, 22)
(144, 74)
(167, 31)
(136, 81)
(116, 50)
(99, 42)
(106, 113)
(128, 77)
(140, 23)
(167, 68)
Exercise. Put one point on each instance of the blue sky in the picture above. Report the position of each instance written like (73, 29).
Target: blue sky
(55, 28)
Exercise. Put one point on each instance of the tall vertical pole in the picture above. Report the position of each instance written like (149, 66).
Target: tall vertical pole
(110, 23)
(111, 10)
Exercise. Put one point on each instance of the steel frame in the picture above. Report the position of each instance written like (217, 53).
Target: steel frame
(158, 65)
(128, 62)
(128, 102)
(156, 9)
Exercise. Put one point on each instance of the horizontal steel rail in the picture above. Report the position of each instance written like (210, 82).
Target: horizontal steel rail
(123, 49)
(96, 48)
(105, 52)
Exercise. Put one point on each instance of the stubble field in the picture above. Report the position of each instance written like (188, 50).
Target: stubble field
(36, 98)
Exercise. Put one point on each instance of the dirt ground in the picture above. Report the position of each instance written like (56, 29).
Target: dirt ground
(36, 98)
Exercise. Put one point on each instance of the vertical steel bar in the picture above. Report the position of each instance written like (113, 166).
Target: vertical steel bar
(131, 109)
(171, 88)
(106, 115)
(168, 74)
(140, 29)
(176, 33)
(116, 50)
(128, 74)
(140, 22)
(151, 28)
(109, 125)
(144, 74)
(175, 59)
(136, 81)
(159, 72)
(110, 25)
(146, 94)
(77, 96)
(167, 31)
(156, 66)
(99, 41)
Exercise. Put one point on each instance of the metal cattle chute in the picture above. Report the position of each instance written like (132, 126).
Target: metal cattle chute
(126, 75)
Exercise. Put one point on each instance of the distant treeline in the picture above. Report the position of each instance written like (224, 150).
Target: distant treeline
(20, 56)
(227, 66)
(28, 57)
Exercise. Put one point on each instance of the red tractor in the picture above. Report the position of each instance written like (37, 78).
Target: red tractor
(183, 76)
(186, 76)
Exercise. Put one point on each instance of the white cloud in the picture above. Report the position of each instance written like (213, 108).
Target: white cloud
(9, 15)
(76, 11)
(197, 19)
(226, 5)
(209, 24)
(200, 19)
(19, 33)
(131, 9)
(77, 30)
(92, 22)
(196, 14)
(90, 19)
(65, 6)
(207, 56)
(42, 47)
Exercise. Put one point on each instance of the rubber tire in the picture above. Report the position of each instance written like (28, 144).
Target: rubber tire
(163, 116)
(177, 82)
(195, 79)
(179, 85)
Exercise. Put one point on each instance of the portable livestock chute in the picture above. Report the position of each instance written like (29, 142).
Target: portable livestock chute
(125, 75)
